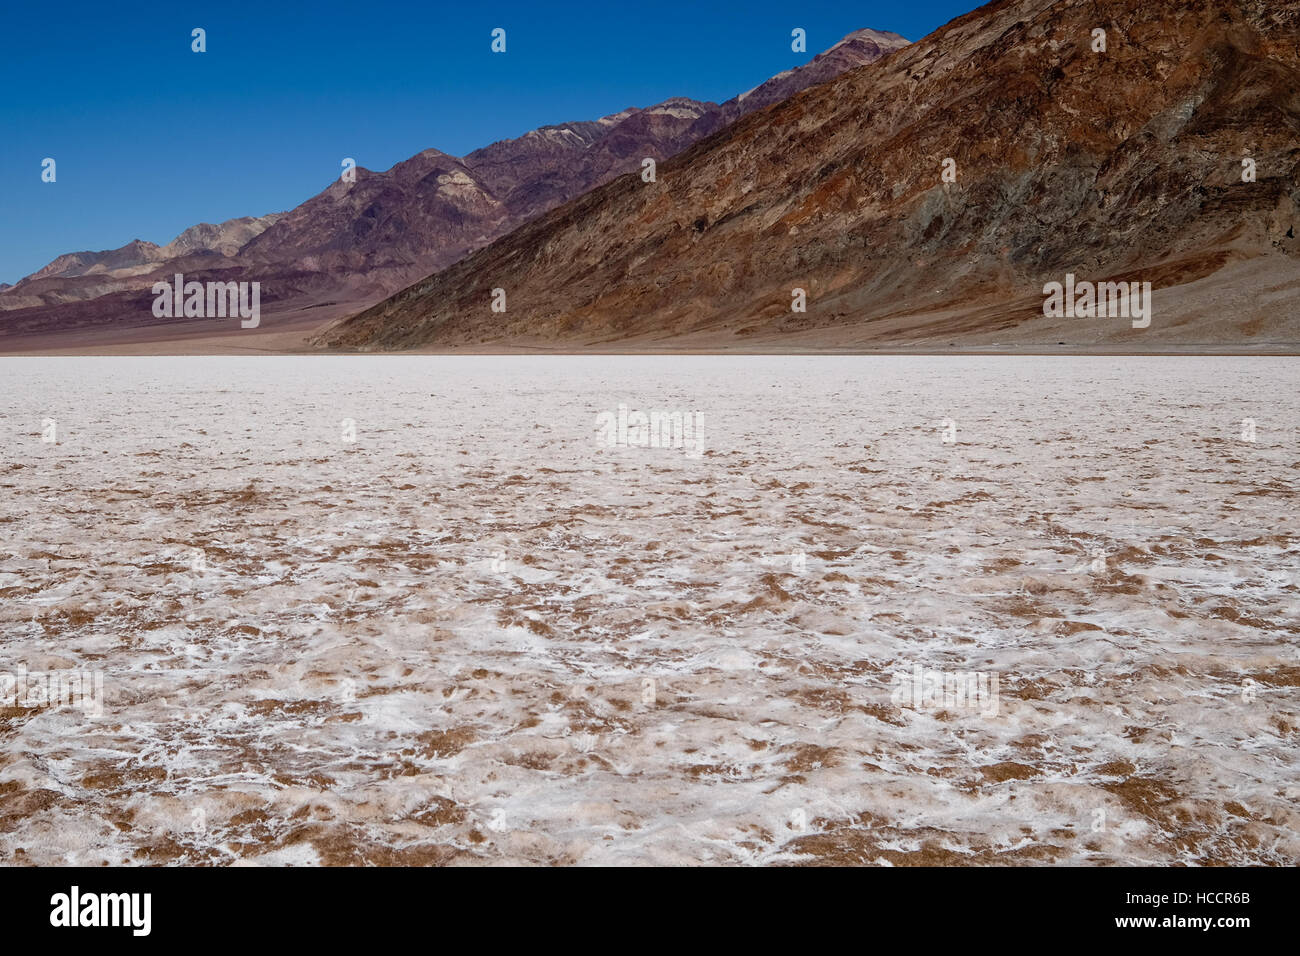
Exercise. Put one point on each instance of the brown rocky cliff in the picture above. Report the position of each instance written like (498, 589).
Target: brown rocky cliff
(1067, 160)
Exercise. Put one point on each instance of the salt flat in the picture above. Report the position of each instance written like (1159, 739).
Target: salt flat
(416, 610)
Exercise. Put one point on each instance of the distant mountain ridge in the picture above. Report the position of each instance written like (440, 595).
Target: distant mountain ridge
(356, 242)
(225, 239)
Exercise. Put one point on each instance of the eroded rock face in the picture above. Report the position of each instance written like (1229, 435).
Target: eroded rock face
(1126, 162)
(359, 241)
(225, 239)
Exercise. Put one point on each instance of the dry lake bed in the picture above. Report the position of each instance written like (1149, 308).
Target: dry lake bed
(876, 610)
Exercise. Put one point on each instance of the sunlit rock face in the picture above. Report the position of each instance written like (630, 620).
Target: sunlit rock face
(927, 198)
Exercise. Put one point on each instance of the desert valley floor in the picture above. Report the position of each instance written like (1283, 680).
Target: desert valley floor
(370, 610)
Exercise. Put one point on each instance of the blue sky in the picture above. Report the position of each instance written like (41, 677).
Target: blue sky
(150, 137)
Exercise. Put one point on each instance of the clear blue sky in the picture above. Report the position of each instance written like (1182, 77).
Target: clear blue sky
(150, 137)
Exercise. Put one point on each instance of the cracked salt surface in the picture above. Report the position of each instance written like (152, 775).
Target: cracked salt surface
(478, 634)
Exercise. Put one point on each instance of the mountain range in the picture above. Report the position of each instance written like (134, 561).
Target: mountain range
(1112, 155)
(356, 242)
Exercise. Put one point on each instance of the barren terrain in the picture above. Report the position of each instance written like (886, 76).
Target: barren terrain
(476, 633)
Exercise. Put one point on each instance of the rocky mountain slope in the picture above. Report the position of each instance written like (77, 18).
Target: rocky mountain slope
(856, 49)
(431, 209)
(360, 241)
(1126, 163)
